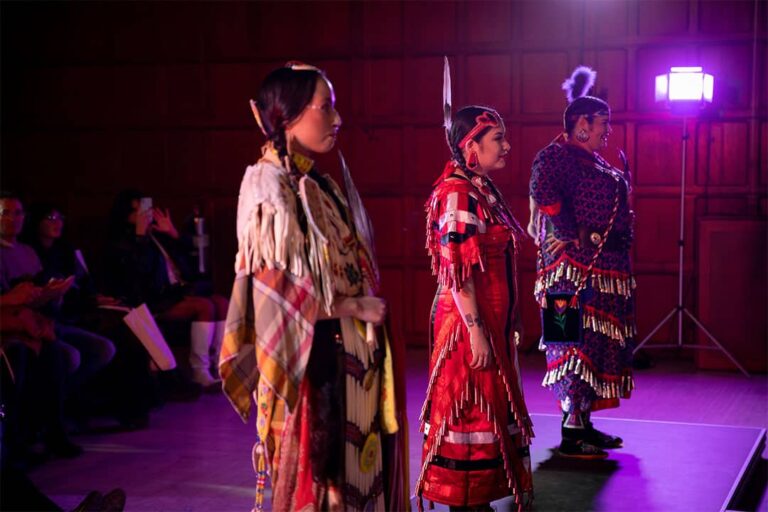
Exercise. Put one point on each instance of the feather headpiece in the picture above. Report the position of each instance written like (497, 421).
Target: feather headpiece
(447, 123)
(580, 82)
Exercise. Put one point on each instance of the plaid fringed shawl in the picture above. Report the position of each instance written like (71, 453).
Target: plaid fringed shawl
(273, 307)
(268, 338)
(269, 331)
(266, 346)
(272, 311)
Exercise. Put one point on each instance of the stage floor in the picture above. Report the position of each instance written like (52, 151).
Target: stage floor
(664, 466)
(196, 457)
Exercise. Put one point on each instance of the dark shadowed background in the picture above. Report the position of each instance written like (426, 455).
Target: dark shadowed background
(99, 96)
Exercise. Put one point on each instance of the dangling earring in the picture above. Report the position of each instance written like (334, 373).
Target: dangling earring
(582, 136)
(472, 161)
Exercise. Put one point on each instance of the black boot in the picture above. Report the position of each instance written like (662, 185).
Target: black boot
(575, 444)
(598, 438)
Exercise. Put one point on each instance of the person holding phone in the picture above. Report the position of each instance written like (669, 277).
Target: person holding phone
(146, 263)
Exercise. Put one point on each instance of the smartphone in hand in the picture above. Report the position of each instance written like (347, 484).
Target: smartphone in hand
(56, 288)
(145, 204)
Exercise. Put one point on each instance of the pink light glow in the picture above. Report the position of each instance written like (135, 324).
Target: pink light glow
(709, 88)
(685, 69)
(662, 88)
(685, 84)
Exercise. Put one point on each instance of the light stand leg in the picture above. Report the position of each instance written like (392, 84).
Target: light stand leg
(714, 340)
(681, 239)
(680, 309)
(655, 329)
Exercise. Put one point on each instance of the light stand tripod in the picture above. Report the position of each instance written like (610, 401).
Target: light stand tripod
(680, 309)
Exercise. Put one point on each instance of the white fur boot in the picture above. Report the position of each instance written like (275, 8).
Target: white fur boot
(201, 338)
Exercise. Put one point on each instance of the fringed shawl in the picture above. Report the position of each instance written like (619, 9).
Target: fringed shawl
(268, 231)
(457, 212)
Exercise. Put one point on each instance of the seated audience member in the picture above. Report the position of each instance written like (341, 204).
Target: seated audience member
(146, 264)
(19, 262)
(126, 387)
(39, 361)
(33, 367)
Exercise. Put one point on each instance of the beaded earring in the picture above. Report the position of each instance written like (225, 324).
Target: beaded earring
(472, 161)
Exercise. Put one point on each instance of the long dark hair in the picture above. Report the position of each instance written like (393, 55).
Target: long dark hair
(282, 97)
(463, 122)
(587, 106)
(122, 207)
(35, 215)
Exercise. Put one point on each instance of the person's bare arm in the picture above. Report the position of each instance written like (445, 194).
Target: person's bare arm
(533, 221)
(466, 302)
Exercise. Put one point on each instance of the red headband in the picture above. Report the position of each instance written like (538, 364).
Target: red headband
(484, 120)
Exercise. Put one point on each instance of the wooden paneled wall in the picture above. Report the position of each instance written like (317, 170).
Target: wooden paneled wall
(100, 96)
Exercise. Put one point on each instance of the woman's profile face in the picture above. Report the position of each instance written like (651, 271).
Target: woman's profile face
(598, 132)
(51, 225)
(491, 149)
(316, 128)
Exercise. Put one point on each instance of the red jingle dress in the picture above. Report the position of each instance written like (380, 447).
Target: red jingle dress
(476, 425)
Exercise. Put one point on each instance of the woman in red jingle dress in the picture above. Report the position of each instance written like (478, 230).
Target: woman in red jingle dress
(475, 421)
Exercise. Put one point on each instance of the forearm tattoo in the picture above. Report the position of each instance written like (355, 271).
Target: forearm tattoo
(472, 321)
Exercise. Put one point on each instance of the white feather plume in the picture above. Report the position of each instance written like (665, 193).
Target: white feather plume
(580, 82)
(447, 96)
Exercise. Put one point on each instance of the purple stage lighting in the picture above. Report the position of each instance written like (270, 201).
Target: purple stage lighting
(685, 84)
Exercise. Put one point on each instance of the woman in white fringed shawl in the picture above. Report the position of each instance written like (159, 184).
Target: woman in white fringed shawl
(296, 338)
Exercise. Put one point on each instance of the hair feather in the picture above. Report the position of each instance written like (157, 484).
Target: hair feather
(580, 82)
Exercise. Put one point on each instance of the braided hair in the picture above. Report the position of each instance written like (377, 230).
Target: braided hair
(282, 97)
(463, 122)
(576, 88)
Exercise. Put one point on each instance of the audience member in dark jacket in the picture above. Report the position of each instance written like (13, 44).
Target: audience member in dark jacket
(146, 264)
